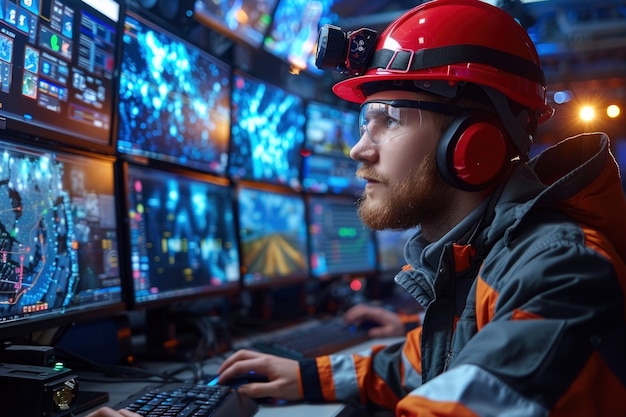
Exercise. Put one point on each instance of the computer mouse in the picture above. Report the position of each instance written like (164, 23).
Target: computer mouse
(242, 379)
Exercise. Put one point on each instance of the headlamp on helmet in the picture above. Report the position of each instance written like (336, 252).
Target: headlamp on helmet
(348, 52)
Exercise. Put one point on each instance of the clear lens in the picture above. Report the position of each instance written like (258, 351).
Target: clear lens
(384, 122)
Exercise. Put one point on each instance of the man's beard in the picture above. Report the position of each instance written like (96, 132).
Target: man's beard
(422, 197)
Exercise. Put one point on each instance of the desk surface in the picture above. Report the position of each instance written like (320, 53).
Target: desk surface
(118, 391)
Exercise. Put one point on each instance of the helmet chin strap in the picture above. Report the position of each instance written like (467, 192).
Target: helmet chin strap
(516, 126)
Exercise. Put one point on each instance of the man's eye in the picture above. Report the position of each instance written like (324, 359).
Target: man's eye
(392, 122)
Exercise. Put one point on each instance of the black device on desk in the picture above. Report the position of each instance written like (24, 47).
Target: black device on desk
(201, 399)
(318, 339)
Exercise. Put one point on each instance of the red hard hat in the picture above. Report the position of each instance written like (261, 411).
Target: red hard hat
(457, 41)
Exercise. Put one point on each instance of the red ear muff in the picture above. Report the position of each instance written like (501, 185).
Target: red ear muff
(471, 152)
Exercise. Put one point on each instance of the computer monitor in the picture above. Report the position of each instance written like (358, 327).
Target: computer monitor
(267, 133)
(57, 69)
(174, 99)
(329, 135)
(181, 235)
(242, 20)
(272, 235)
(341, 245)
(58, 239)
(390, 246)
(293, 33)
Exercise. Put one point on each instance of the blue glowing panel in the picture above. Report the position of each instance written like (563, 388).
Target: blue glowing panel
(174, 100)
(57, 68)
(182, 235)
(340, 243)
(273, 236)
(244, 20)
(58, 235)
(294, 31)
(329, 135)
(267, 133)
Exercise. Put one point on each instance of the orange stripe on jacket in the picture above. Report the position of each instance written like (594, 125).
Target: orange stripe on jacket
(486, 298)
(415, 406)
(325, 371)
(586, 397)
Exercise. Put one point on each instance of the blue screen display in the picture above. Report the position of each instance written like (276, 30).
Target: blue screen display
(182, 234)
(329, 135)
(273, 236)
(174, 100)
(267, 133)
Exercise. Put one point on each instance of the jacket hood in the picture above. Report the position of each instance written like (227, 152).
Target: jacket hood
(578, 176)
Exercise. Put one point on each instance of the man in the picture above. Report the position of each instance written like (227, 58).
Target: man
(518, 264)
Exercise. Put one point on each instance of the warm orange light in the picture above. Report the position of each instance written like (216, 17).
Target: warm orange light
(586, 113)
(613, 111)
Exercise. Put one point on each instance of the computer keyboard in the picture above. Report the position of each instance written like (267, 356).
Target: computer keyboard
(315, 339)
(190, 400)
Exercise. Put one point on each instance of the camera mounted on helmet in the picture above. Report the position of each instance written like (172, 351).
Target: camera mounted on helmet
(348, 52)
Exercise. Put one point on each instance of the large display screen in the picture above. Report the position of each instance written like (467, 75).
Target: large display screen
(267, 133)
(183, 241)
(174, 99)
(340, 243)
(57, 65)
(273, 236)
(242, 20)
(58, 239)
(329, 135)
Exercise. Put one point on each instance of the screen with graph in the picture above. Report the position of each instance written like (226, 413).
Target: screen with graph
(340, 243)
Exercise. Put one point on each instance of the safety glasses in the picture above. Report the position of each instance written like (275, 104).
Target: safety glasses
(386, 120)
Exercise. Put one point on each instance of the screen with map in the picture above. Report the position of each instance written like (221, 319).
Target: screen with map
(57, 64)
(58, 239)
(183, 242)
(273, 236)
(174, 99)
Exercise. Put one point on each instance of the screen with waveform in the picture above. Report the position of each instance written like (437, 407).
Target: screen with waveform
(182, 235)
(272, 235)
(340, 243)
